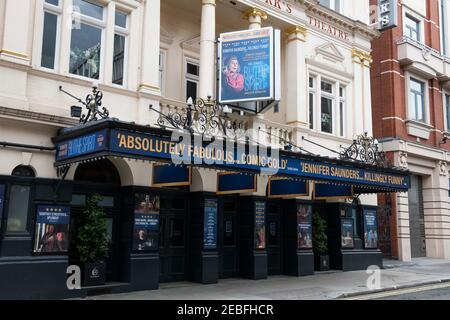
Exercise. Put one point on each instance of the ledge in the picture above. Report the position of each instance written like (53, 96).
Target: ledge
(418, 129)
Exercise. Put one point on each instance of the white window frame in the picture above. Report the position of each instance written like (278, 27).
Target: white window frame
(93, 22)
(443, 28)
(312, 91)
(420, 22)
(125, 32)
(333, 5)
(162, 70)
(190, 77)
(446, 114)
(57, 11)
(336, 100)
(426, 106)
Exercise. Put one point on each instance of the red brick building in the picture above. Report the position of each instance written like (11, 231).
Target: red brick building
(410, 79)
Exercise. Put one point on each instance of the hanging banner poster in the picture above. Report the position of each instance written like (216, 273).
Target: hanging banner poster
(52, 229)
(210, 224)
(146, 222)
(2, 201)
(304, 226)
(248, 59)
(370, 229)
(347, 233)
(260, 225)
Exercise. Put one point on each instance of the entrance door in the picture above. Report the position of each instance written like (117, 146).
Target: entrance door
(229, 253)
(416, 218)
(172, 239)
(274, 239)
(110, 205)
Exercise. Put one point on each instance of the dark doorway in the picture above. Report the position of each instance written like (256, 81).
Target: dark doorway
(229, 239)
(416, 218)
(101, 177)
(274, 239)
(172, 241)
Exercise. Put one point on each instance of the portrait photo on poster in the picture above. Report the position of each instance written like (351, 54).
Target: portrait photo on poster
(247, 65)
(304, 226)
(146, 222)
(370, 229)
(52, 230)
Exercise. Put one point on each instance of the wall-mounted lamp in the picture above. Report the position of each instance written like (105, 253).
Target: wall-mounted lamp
(443, 141)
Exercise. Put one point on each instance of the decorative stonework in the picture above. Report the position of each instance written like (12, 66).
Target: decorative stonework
(297, 33)
(362, 57)
(443, 171)
(403, 160)
(255, 12)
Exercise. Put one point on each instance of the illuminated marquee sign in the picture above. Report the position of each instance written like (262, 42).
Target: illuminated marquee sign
(387, 14)
(147, 146)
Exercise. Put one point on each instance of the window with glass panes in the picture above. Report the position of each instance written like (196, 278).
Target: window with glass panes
(327, 103)
(412, 28)
(50, 34)
(192, 79)
(120, 42)
(447, 111)
(416, 100)
(332, 4)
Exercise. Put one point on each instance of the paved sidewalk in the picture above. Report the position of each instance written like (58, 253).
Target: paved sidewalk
(321, 286)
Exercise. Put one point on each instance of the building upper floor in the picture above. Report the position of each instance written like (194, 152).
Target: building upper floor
(150, 52)
(411, 74)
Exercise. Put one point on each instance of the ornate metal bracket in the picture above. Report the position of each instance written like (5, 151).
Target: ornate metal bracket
(93, 102)
(204, 117)
(365, 149)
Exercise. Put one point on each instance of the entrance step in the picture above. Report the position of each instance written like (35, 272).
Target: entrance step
(107, 288)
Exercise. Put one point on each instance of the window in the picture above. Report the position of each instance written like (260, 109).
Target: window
(19, 198)
(341, 111)
(312, 94)
(18, 209)
(447, 111)
(120, 36)
(332, 4)
(162, 70)
(326, 102)
(50, 35)
(326, 107)
(192, 79)
(417, 100)
(443, 19)
(86, 40)
(412, 28)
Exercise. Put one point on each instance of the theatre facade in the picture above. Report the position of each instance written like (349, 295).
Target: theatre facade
(198, 183)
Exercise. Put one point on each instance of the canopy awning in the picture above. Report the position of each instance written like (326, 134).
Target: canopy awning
(120, 139)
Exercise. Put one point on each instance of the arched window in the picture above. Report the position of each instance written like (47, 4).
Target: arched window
(23, 171)
(102, 171)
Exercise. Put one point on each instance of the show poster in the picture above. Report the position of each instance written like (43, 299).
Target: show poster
(304, 226)
(260, 225)
(146, 222)
(210, 224)
(247, 64)
(2, 201)
(370, 229)
(52, 229)
(347, 233)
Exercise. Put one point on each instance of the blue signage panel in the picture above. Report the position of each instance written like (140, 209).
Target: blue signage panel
(146, 222)
(84, 145)
(260, 225)
(171, 175)
(146, 145)
(370, 229)
(324, 191)
(235, 183)
(2, 200)
(52, 229)
(280, 188)
(246, 59)
(210, 224)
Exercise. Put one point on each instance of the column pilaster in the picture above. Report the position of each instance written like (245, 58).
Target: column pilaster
(207, 49)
